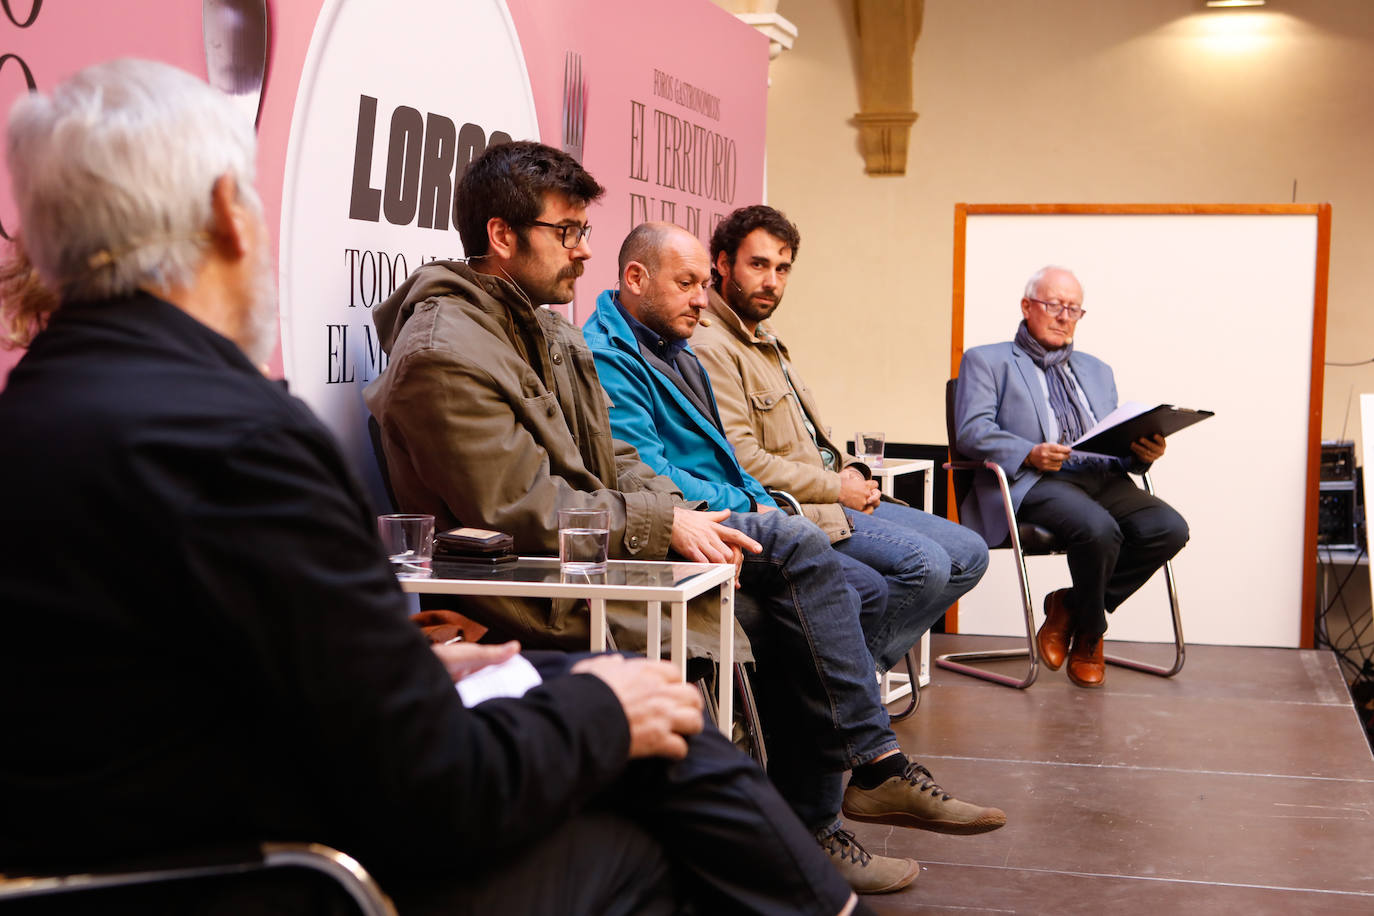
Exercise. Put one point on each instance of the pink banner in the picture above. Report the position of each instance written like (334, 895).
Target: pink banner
(372, 109)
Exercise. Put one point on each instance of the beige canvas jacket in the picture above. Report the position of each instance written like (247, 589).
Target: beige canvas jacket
(763, 419)
(492, 416)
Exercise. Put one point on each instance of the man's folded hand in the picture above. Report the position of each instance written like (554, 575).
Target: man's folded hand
(660, 709)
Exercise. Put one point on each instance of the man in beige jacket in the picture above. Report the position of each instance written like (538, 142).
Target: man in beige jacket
(772, 420)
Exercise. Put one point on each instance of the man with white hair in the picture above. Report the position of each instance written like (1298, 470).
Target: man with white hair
(1020, 404)
(204, 643)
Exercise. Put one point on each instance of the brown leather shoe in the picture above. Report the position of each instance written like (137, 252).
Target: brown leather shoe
(1087, 668)
(1053, 637)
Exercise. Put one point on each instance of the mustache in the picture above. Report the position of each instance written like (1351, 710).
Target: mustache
(571, 272)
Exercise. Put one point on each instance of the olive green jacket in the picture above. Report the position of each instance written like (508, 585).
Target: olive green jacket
(492, 416)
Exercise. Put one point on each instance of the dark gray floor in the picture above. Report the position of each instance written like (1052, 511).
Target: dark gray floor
(1243, 785)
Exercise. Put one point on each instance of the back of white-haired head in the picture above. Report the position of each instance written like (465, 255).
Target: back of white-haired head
(112, 174)
(1033, 284)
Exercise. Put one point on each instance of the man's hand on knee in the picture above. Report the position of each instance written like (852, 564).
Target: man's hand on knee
(660, 709)
(700, 537)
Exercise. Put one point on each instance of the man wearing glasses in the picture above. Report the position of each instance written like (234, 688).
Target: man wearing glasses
(1020, 404)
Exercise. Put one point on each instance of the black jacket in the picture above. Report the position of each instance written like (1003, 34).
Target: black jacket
(200, 639)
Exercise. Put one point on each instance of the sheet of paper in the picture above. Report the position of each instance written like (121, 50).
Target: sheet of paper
(509, 679)
(1120, 415)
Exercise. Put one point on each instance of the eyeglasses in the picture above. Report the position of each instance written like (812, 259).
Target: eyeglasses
(1053, 309)
(572, 234)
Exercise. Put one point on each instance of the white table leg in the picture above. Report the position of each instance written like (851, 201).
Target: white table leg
(678, 646)
(894, 686)
(726, 698)
(598, 624)
(655, 648)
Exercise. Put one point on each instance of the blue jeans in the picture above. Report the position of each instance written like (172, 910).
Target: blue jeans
(817, 696)
(870, 588)
(928, 563)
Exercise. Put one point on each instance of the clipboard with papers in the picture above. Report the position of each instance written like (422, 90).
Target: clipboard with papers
(1135, 420)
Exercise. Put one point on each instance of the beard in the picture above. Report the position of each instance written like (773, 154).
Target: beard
(569, 276)
(258, 337)
(746, 305)
(656, 318)
(545, 290)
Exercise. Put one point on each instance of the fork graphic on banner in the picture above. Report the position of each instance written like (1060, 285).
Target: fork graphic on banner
(574, 105)
(574, 123)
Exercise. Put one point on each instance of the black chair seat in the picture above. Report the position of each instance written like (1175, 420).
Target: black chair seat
(1035, 540)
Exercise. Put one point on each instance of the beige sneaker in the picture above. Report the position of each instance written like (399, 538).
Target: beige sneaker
(865, 872)
(915, 800)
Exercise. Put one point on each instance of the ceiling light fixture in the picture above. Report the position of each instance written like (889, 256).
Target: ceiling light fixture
(1223, 4)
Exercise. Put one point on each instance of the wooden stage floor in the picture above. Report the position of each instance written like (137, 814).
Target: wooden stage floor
(1243, 785)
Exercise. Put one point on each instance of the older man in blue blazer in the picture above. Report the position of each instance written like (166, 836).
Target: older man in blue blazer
(1020, 404)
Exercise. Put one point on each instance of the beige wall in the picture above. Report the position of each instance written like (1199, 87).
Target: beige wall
(1063, 101)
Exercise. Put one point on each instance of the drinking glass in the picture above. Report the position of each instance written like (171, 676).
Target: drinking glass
(868, 448)
(584, 540)
(409, 543)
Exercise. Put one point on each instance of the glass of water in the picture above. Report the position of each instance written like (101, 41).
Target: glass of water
(584, 539)
(868, 448)
(409, 543)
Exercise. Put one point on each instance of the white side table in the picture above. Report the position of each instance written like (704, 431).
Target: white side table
(894, 685)
(652, 582)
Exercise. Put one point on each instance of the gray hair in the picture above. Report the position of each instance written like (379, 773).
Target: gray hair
(112, 174)
(1033, 284)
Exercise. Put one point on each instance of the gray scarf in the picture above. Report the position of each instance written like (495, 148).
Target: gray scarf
(1068, 413)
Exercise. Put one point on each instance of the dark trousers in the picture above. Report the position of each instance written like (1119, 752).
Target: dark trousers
(1117, 536)
(706, 834)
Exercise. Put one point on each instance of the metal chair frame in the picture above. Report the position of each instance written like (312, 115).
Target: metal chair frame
(345, 870)
(958, 661)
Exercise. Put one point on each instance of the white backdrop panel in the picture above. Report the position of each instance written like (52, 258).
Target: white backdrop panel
(1205, 311)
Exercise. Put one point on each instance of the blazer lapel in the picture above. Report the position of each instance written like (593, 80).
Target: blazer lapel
(1032, 390)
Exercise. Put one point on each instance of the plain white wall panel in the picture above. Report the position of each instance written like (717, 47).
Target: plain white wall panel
(1211, 311)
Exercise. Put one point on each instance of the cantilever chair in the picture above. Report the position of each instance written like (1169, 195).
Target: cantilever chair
(343, 869)
(1025, 539)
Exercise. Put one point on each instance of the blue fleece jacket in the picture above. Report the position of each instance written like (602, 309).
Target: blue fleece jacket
(652, 414)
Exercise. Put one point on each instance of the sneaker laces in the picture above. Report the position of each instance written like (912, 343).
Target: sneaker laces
(924, 781)
(842, 844)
